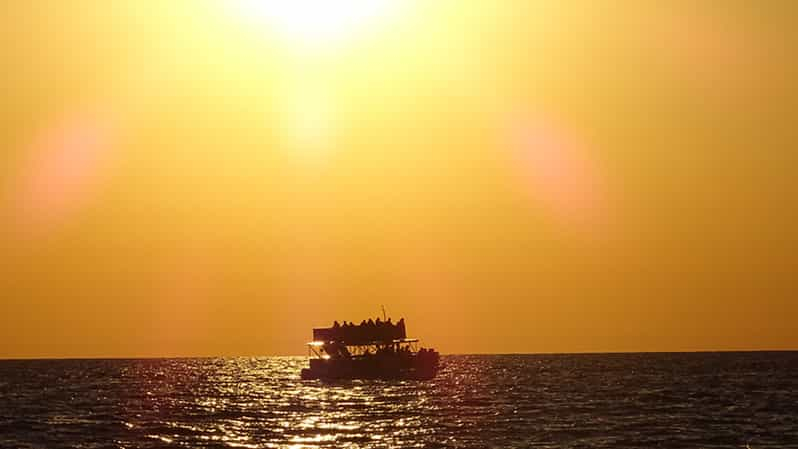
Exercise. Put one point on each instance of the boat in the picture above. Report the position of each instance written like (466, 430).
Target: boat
(369, 350)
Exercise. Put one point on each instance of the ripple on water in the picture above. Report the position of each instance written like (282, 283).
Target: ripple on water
(547, 401)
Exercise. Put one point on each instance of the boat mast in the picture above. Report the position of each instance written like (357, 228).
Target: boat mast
(384, 318)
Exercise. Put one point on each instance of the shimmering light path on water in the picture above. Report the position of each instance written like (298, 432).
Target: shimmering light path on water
(707, 400)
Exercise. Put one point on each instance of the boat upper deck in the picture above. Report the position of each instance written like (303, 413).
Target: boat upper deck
(366, 333)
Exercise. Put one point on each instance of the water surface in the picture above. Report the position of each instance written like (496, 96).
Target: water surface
(704, 400)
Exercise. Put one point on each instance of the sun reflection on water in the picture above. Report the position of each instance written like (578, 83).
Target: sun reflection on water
(507, 401)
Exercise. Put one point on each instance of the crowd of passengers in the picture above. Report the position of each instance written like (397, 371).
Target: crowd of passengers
(366, 331)
(337, 349)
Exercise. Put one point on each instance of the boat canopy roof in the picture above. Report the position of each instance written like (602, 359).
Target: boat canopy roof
(398, 340)
(367, 332)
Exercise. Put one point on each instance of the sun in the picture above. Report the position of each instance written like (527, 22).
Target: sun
(314, 23)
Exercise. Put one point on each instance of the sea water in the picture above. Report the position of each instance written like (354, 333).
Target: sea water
(695, 400)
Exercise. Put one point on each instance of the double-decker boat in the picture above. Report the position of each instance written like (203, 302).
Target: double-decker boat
(369, 350)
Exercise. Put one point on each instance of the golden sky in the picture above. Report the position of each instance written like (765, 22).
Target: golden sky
(217, 177)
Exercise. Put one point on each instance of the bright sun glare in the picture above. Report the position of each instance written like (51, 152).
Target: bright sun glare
(316, 22)
(307, 27)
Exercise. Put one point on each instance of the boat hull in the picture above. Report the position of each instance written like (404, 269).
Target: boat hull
(418, 367)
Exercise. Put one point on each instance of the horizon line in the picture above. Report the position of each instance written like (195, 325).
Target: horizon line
(186, 357)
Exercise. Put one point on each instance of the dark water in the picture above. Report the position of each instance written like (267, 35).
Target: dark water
(564, 401)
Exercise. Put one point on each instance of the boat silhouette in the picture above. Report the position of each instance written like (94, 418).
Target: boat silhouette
(369, 350)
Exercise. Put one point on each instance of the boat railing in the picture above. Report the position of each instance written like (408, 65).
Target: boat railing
(323, 349)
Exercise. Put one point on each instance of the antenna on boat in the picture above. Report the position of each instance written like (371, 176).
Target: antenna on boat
(383, 314)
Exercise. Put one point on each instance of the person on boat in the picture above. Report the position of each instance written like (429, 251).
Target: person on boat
(346, 330)
(382, 330)
(336, 331)
(365, 331)
(386, 330)
(331, 349)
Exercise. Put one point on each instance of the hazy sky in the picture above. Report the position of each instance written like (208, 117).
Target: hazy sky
(211, 178)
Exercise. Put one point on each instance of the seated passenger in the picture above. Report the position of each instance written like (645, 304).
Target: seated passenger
(400, 328)
(346, 330)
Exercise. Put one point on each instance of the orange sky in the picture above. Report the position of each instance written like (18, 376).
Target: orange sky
(179, 178)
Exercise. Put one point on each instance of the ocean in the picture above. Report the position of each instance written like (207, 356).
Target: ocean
(661, 400)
